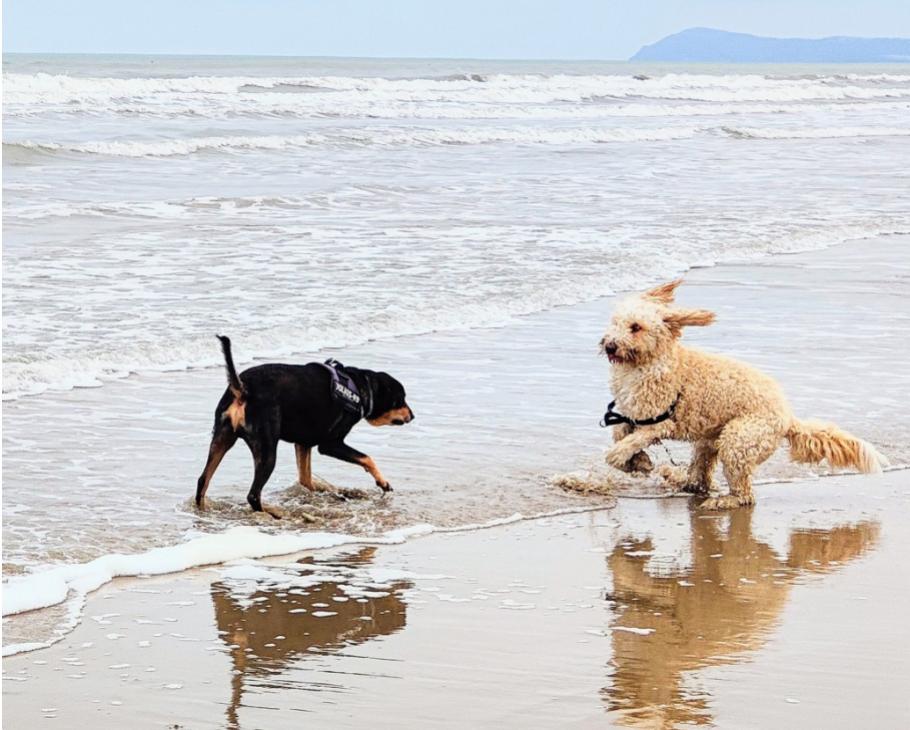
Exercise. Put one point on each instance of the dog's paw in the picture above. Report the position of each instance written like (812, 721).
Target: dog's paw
(674, 476)
(383, 485)
(640, 463)
(728, 501)
(617, 460)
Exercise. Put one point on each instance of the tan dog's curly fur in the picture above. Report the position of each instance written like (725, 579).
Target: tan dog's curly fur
(731, 411)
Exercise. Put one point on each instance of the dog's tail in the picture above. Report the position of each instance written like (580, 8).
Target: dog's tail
(812, 442)
(234, 383)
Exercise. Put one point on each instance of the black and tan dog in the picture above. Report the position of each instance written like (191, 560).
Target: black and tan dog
(307, 405)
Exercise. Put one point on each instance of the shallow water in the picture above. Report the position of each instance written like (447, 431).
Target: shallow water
(500, 412)
(459, 232)
(306, 203)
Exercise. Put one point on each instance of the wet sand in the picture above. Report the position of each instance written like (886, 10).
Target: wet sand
(649, 615)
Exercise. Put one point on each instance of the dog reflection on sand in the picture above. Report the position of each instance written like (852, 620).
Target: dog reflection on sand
(251, 627)
(726, 606)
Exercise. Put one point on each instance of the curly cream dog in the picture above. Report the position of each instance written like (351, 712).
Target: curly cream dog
(731, 411)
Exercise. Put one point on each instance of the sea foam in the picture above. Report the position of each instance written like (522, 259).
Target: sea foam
(55, 585)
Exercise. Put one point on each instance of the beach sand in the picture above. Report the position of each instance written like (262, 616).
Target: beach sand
(649, 615)
(646, 614)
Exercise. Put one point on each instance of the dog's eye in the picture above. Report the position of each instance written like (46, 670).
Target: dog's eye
(635, 327)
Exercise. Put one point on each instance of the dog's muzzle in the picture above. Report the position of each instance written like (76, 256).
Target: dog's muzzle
(611, 351)
(402, 421)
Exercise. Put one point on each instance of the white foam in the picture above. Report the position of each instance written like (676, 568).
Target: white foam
(815, 132)
(74, 582)
(197, 95)
(431, 136)
(413, 136)
(37, 369)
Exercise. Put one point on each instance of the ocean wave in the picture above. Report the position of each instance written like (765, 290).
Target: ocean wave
(428, 137)
(417, 136)
(814, 133)
(288, 106)
(288, 87)
(885, 78)
(216, 206)
(46, 89)
(33, 372)
(158, 209)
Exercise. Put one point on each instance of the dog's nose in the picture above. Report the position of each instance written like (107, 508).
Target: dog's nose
(609, 347)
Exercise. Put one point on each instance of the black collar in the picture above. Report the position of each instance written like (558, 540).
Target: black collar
(612, 418)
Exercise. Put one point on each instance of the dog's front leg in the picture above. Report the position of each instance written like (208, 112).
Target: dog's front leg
(640, 461)
(340, 450)
(637, 441)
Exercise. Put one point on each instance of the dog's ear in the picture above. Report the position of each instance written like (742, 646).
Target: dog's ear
(676, 319)
(664, 293)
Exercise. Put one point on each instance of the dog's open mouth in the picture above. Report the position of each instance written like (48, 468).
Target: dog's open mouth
(614, 357)
(398, 422)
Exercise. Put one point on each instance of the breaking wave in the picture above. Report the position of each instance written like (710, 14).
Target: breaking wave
(347, 138)
(430, 136)
(203, 93)
(33, 372)
(815, 133)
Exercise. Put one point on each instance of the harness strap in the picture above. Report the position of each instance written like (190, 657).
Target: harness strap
(612, 418)
(345, 390)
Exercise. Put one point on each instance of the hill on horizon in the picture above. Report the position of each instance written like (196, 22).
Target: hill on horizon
(720, 46)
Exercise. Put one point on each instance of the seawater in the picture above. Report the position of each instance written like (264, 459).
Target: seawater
(405, 215)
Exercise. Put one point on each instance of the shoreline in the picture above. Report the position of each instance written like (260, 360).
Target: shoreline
(709, 283)
(730, 617)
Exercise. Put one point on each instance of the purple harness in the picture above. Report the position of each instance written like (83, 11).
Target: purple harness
(345, 391)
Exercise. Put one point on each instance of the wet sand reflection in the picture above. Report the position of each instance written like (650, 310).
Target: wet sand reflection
(724, 604)
(268, 629)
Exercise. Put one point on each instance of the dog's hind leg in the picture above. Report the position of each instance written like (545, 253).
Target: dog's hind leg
(222, 441)
(744, 443)
(700, 479)
(305, 466)
(264, 456)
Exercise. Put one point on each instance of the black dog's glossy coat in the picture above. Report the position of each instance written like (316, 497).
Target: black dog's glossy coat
(271, 403)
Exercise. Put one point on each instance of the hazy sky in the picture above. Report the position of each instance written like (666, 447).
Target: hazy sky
(588, 29)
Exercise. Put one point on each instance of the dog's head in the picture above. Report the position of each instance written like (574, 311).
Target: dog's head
(645, 326)
(389, 406)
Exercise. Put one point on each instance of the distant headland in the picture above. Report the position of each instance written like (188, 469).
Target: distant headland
(720, 46)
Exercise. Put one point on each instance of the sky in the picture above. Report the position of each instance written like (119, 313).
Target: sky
(527, 29)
